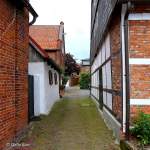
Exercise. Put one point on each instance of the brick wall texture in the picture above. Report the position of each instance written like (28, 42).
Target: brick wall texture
(57, 57)
(116, 64)
(139, 45)
(13, 71)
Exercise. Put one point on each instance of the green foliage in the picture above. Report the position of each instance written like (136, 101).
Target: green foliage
(84, 80)
(64, 80)
(71, 65)
(141, 128)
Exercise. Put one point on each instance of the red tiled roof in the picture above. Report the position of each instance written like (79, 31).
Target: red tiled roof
(43, 54)
(39, 49)
(47, 36)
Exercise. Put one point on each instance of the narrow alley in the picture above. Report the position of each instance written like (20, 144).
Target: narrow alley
(73, 124)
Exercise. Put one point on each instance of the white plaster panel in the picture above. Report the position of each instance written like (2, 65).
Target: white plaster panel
(108, 71)
(107, 43)
(104, 76)
(49, 94)
(139, 101)
(52, 91)
(37, 69)
(37, 96)
(105, 98)
(109, 100)
(139, 16)
(139, 61)
(103, 53)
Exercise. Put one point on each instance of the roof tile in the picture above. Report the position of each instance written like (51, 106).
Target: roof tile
(47, 36)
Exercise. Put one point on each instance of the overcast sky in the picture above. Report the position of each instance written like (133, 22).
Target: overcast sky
(76, 16)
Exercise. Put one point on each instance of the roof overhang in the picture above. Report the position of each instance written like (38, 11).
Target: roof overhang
(44, 54)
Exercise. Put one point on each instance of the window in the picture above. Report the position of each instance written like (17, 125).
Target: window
(55, 77)
(50, 77)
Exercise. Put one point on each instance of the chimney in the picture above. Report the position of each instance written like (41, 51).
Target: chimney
(61, 32)
(62, 23)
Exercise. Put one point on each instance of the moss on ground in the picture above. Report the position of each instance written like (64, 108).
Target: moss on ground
(71, 125)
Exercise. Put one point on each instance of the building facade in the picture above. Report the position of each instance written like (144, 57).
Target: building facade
(120, 60)
(14, 26)
(51, 39)
(85, 66)
(45, 74)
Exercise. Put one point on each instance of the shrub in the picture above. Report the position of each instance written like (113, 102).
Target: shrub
(84, 81)
(141, 128)
(64, 80)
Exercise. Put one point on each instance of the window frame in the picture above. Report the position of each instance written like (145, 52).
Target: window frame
(55, 78)
(50, 74)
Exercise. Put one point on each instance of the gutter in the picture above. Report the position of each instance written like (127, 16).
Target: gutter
(125, 69)
(31, 10)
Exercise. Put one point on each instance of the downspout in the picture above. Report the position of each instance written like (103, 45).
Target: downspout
(125, 69)
(31, 10)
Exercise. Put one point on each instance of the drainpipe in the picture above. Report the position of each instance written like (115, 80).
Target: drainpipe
(125, 69)
(31, 10)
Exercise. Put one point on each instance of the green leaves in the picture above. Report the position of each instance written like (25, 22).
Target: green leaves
(142, 128)
(84, 80)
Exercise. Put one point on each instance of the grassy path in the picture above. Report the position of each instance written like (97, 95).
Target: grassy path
(72, 125)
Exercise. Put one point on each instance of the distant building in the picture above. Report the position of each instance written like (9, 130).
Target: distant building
(51, 39)
(85, 66)
(120, 60)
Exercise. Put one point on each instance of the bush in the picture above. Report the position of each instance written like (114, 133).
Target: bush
(64, 80)
(84, 81)
(141, 128)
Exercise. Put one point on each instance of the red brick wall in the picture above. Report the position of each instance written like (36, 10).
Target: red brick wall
(57, 56)
(116, 64)
(139, 47)
(13, 71)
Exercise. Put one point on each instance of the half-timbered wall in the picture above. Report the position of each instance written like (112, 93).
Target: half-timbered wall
(103, 63)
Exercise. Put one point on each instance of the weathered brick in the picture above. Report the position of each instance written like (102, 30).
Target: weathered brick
(13, 71)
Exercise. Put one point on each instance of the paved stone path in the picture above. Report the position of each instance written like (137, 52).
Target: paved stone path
(75, 92)
(73, 124)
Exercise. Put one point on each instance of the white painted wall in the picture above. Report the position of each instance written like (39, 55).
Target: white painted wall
(103, 55)
(45, 94)
(51, 91)
(139, 16)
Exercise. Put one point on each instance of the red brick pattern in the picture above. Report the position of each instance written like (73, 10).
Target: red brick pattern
(140, 81)
(13, 71)
(139, 41)
(139, 47)
(116, 65)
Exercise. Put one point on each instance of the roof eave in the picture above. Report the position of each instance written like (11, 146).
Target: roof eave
(44, 54)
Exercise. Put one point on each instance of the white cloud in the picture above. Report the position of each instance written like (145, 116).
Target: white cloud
(76, 16)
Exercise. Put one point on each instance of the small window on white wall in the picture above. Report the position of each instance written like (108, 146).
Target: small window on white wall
(55, 77)
(50, 77)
